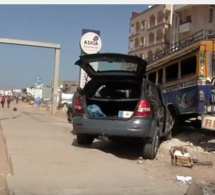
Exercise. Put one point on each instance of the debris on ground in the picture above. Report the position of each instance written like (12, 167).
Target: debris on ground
(201, 188)
(184, 179)
(180, 156)
(205, 163)
(140, 160)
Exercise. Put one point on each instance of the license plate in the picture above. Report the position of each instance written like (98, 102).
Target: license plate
(208, 122)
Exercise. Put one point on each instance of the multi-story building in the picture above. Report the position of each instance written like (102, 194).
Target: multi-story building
(154, 30)
(149, 31)
(189, 19)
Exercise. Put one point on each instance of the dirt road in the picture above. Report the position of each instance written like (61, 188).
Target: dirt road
(46, 159)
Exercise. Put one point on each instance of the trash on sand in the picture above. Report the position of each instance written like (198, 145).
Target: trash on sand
(140, 160)
(205, 163)
(184, 179)
(180, 156)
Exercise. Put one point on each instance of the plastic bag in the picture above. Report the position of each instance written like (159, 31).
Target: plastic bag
(95, 111)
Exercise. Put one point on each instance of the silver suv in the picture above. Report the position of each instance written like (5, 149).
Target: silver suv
(119, 103)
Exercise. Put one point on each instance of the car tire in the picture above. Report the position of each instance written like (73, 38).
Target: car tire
(84, 139)
(150, 148)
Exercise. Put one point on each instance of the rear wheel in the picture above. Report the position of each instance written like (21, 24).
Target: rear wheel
(150, 148)
(84, 139)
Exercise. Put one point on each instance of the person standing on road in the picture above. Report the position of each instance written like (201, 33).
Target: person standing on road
(2, 101)
(17, 99)
(8, 101)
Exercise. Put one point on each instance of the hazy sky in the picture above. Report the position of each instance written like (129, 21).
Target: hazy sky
(60, 24)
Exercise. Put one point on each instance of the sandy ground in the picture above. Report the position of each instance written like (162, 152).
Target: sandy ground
(196, 142)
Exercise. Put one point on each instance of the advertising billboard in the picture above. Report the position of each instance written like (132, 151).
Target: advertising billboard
(90, 43)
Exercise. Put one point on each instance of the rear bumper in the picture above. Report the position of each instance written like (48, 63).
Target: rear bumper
(135, 127)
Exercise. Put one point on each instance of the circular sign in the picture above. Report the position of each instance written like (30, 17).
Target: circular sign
(90, 43)
(38, 80)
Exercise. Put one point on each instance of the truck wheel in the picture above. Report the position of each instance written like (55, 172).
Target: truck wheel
(84, 139)
(150, 148)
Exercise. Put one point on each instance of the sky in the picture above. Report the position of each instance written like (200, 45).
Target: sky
(61, 24)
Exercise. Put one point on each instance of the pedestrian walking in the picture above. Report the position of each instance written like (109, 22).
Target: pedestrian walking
(17, 99)
(8, 101)
(2, 101)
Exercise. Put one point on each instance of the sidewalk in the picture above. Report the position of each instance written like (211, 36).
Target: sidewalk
(45, 163)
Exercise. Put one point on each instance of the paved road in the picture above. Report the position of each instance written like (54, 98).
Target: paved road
(47, 161)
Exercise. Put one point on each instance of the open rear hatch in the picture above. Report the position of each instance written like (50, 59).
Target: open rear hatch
(112, 65)
(111, 99)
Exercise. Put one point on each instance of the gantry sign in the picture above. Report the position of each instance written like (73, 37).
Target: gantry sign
(54, 46)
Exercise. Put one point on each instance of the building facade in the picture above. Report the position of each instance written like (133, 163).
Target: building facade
(158, 28)
(149, 31)
(189, 19)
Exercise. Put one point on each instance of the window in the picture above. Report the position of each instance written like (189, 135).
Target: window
(152, 77)
(210, 15)
(160, 76)
(150, 54)
(142, 41)
(143, 25)
(132, 30)
(176, 21)
(137, 27)
(188, 19)
(131, 45)
(148, 90)
(151, 38)
(136, 43)
(152, 92)
(172, 72)
(188, 66)
(155, 94)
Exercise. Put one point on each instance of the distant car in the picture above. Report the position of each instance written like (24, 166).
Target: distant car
(65, 100)
(119, 103)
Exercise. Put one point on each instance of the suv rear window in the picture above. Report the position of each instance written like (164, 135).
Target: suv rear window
(113, 66)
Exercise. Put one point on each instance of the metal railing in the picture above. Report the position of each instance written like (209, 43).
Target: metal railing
(200, 35)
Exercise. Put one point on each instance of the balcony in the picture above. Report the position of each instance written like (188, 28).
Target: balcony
(185, 27)
(178, 8)
(132, 34)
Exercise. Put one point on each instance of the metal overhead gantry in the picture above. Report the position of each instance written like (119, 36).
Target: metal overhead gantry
(56, 63)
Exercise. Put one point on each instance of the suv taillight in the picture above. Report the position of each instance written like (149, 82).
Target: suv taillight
(78, 106)
(143, 108)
